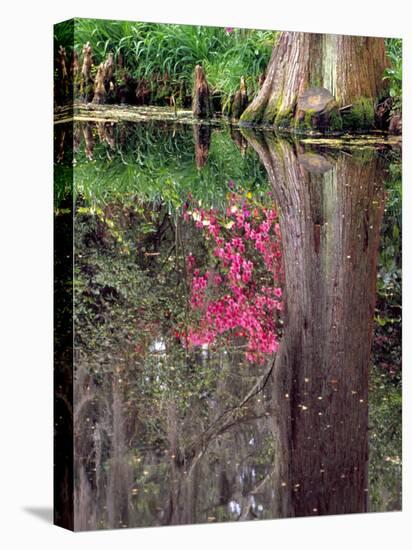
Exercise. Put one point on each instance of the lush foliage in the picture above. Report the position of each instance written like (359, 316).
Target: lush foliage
(165, 55)
(390, 261)
(394, 73)
(385, 412)
(246, 55)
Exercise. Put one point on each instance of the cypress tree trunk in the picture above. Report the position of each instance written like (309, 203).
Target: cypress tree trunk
(349, 67)
(330, 214)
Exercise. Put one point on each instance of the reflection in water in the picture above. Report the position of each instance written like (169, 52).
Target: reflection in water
(239, 294)
(222, 338)
(202, 134)
(332, 209)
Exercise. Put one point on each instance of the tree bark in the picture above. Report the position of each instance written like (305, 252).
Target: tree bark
(330, 214)
(349, 67)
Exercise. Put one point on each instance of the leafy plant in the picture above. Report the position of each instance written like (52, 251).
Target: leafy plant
(247, 56)
(394, 73)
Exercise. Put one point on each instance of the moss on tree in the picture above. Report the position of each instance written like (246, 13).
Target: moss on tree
(360, 116)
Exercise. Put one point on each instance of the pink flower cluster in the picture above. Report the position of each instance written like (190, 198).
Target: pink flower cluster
(240, 296)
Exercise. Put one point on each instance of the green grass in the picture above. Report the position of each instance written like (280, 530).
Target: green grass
(247, 55)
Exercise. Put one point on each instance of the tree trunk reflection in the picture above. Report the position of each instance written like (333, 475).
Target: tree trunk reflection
(331, 207)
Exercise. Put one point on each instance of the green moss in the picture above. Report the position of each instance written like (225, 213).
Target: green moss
(270, 113)
(304, 123)
(363, 154)
(284, 118)
(252, 116)
(316, 82)
(310, 122)
(309, 117)
(360, 116)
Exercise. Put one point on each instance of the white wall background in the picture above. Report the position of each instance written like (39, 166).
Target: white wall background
(26, 273)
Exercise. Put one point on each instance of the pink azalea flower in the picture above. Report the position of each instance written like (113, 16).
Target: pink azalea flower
(234, 302)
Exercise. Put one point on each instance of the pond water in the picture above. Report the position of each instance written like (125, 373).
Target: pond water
(237, 312)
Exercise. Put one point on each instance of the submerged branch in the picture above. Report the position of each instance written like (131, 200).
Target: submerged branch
(225, 420)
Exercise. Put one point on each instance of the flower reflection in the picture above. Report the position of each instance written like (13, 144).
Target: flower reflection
(239, 296)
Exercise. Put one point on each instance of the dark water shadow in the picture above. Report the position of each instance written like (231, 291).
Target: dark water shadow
(45, 514)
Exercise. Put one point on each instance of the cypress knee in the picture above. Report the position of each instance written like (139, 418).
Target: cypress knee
(202, 105)
(240, 100)
(87, 81)
(75, 74)
(62, 84)
(99, 89)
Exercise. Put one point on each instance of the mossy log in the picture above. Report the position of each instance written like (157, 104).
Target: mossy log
(201, 102)
(350, 67)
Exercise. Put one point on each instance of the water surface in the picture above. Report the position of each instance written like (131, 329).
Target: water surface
(225, 307)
